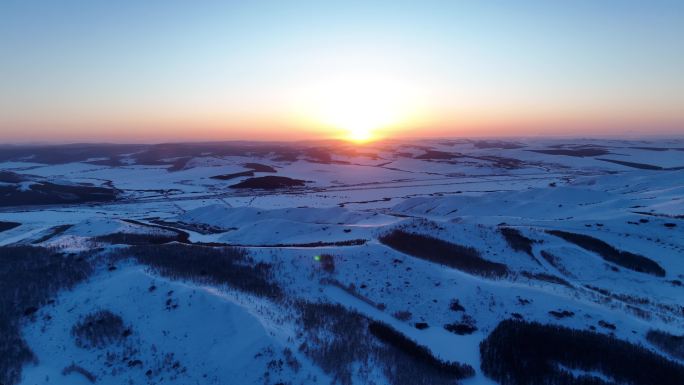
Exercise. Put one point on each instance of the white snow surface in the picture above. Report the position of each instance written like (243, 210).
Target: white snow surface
(223, 336)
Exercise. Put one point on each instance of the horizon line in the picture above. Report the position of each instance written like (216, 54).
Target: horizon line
(618, 137)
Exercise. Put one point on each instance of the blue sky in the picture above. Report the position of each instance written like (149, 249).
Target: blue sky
(146, 69)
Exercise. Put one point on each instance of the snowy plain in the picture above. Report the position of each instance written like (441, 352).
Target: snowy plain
(459, 191)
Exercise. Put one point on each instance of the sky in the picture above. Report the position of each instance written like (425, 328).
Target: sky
(170, 70)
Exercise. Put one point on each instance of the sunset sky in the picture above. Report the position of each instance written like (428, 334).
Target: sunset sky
(150, 71)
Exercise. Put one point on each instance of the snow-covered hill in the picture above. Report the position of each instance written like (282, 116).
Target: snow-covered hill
(392, 264)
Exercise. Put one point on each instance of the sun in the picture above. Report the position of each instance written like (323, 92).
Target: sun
(358, 114)
(360, 135)
(357, 106)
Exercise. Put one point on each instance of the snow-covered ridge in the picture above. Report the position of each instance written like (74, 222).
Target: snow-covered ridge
(504, 201)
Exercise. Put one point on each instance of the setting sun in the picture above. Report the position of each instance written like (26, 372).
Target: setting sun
(356, 115)
(359, 102)
(382, 192)
(360, 135)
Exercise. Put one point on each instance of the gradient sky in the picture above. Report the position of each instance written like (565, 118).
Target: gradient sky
(196, 70)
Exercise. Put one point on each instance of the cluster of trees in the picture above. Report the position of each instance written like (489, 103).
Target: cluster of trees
(464, 258)
(99, 329)
(669, 343)
(233, 175)
(516, 240)
(29, 278)
(420, 355)
(353, 291)
(555, 262)
(461, 328)
(214, 265)
(530, 353)
(51, 233)
(44, 193)
(642, 166)
(339, 339)
(455, 305)
(4, 226)
(579, 152)
(625, 259)
(269, 182)
(349, 242)
(550, 278)
(201, 228)
(258, 167)
(73, 368)
(327, 262)
(158, 234)
(138, 238)
(336, 338)
(11, 177)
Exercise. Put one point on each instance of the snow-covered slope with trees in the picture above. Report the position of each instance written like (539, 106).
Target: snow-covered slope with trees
(431, 262)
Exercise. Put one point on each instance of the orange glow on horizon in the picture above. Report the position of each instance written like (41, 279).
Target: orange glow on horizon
(354, 71)
(359, 99)
(351, 122)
